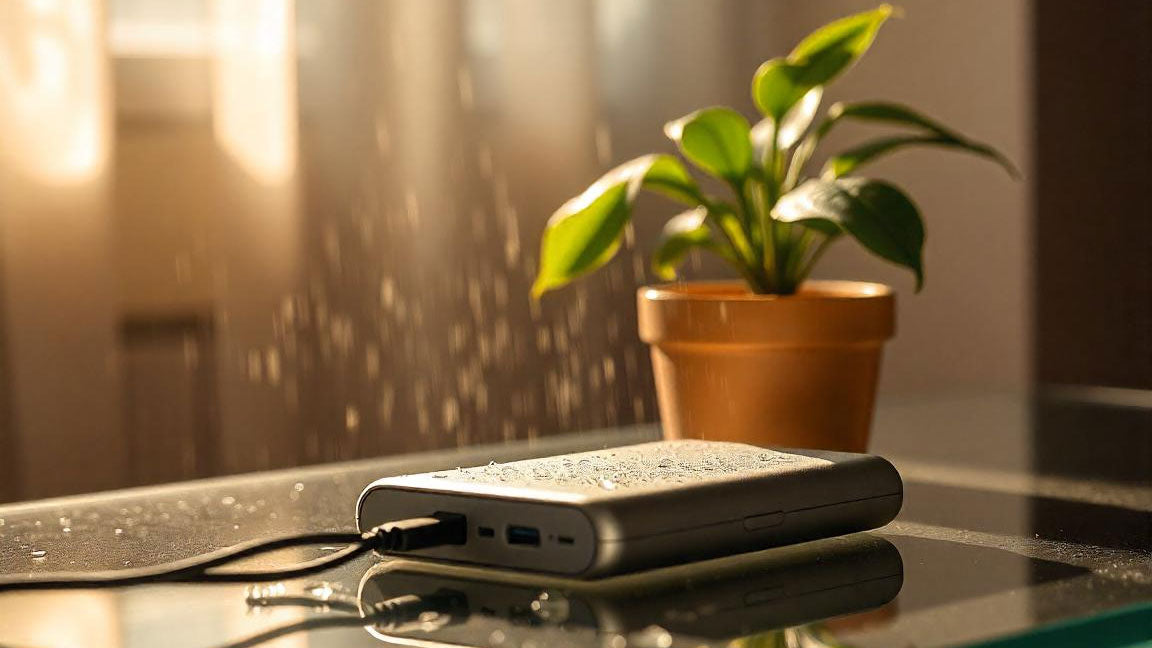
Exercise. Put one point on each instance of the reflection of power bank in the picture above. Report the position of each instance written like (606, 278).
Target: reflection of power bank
(621, 509)
(717, 599)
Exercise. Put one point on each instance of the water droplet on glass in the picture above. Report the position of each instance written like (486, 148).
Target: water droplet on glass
(261, 593)
(67, 529)
(298, 487)
(119, 531)
(228, 501)
(322, 591)
(38, 554)
(615, 641)
(652, 637)
(551, 607)
(496, 638)
(64, 521)
(607, 484)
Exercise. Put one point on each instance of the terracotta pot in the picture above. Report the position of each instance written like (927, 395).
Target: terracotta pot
(797, 371)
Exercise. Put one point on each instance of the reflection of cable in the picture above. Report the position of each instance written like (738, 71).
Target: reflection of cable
(397, 614)
(404, 535)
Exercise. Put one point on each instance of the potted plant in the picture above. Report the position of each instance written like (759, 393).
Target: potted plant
(774, 359)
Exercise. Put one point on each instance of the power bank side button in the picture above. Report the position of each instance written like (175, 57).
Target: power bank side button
(764, 521)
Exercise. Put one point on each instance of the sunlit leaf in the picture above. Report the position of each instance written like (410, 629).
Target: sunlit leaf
(796, 121)
(584, 233)
(898, 115)
(830, 50)
(714, 139)
(793, 126)
(681, 234)
(777, 86)
(669, 177)
(822, 56)
(877, 214)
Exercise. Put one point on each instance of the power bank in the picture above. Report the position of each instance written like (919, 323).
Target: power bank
(714, 600)
(611, 511)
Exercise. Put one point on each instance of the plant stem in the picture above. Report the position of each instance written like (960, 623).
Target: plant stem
(745, 266)
(778, 253)
(806, 268)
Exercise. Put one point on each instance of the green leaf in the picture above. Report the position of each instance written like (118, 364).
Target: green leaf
(875, 213)
(830, 50)
(822, 56)
(896, 114)
(681, 234)
(886, 112)
(777, 86)
(668, 176)
(584, 233)
(714, 139)
(793, 126)
(797, 120)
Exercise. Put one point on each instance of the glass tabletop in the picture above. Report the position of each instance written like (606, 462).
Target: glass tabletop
(975, 556)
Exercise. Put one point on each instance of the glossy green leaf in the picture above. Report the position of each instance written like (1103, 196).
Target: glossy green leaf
(761, 136)
(681, 234)
(797, 120)
(793, 126)
(714, 139)
(898, 115)
(875, 213)
(668, 176)
(779, 84)
(584, 233)
(830, 50)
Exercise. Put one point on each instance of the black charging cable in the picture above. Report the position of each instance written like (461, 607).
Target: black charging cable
(404, 535)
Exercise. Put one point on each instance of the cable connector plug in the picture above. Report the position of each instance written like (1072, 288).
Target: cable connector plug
(419, 533)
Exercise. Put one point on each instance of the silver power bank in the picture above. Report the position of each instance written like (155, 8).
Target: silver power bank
(592, 514)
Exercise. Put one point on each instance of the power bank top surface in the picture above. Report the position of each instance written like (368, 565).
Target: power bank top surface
(618, 509)
(616, 473)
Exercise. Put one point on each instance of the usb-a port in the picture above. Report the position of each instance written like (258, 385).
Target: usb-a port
(526, 536)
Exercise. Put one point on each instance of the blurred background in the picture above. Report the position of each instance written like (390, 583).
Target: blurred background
(247, 234)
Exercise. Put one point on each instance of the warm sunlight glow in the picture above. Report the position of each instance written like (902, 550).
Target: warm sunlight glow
(254, 85)
(53, 104)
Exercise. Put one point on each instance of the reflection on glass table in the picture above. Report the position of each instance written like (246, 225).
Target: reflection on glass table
(767, 598)
(754, 595)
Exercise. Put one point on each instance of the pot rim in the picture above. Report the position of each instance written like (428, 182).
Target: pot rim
(737, 291)
(725, 314)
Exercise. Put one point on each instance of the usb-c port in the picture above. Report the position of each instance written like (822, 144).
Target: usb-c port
(525, 536)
